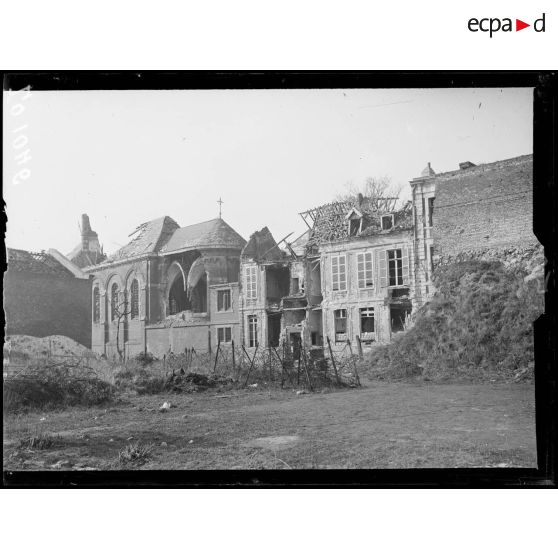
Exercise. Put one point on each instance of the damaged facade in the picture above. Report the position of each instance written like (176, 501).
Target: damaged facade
(357, 273)
(170, 288)
(470, 212)
(280, 294)
(364, 253)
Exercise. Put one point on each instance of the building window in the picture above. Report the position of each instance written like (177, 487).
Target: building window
(251, 282)
(339, 273)
(224, 300)
(395, 267)
(355, 226)
(367, 324)
(224, 334)
(430, 211)
(387, 222)
(252, 331)
(114, 302)
(364, 270)
(431, 250)
(96, 305)
(340, 319)
(134, 299)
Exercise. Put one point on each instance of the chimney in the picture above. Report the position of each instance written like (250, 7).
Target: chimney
(360, 200)
(428, 171)
(466, 165)
(85, 232)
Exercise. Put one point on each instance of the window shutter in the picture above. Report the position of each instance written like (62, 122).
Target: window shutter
(382, 258)
(405, 254)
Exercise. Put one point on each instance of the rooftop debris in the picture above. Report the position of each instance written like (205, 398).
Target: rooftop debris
(331, 221)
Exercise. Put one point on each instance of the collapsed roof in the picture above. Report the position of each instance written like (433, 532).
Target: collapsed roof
(262, 246)
(165, 236)
(330, 222)
(36, 262)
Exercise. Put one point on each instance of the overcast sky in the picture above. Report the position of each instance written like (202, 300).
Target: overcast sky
(125, 157)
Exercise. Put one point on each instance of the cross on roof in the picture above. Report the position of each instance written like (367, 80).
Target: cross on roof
(220, 202)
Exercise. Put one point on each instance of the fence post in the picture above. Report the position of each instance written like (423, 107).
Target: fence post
(298, 366)
(354, 363)
(359, 346)
(332, 360)
(251, 365)
(233, 358)
(216, 355)
(209, 341)
(303, 354)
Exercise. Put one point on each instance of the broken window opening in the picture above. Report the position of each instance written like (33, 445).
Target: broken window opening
(250, 281)
(340, 319)
(387, 222)
(224, 334)
(224, 300)
(364, 270)
(430, 211)
(273, 329)
(252, 331)
(134, 299)
(367, 325)
(431, 250)
(198, 296)
(295, 339)
(395, 267)
(113, 302)
(178, 300)
(96, 305)
(398, 317)
(277, 281)
(339, 273)
(355, 226)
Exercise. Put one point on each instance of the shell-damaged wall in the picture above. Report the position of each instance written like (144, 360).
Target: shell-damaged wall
(484, 207)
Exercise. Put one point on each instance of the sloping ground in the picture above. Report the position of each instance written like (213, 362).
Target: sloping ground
(478, 326)
(26, 347)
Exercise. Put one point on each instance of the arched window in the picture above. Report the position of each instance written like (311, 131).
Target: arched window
(96, 305)
(134, 299)
(113, 301)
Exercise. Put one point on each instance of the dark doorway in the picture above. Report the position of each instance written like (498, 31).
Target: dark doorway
(295, 340)
(398, 315)
(273, 329)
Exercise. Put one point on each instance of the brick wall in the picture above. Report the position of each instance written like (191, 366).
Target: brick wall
(484, 207)
(40, 305)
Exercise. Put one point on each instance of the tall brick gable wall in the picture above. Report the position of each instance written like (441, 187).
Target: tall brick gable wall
(41, 305)
(484, 207)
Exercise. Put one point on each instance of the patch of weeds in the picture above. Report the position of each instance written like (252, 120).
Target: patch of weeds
(39, 441)
(135, 453)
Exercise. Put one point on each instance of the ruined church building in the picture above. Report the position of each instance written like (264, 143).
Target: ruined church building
(356, 274)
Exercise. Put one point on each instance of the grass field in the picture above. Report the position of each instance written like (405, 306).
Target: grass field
(382, 425)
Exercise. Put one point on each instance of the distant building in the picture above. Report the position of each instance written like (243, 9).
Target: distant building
(89, 251)
(46, 294)
(170, 288)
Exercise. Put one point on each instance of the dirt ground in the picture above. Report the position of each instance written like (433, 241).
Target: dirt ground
(397, 425)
